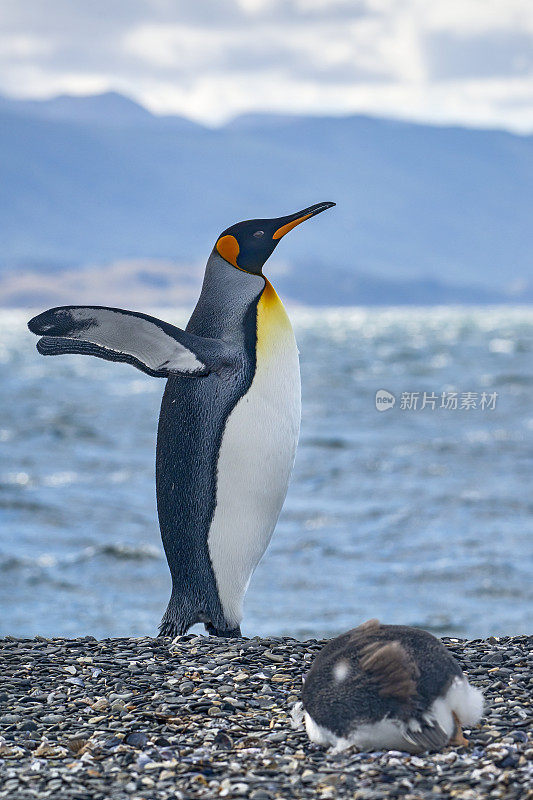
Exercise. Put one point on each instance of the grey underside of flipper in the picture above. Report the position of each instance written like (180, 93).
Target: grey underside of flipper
(151, 345)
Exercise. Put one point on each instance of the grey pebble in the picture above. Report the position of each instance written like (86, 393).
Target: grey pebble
(223, 741)
(136, 739)
(29, 725)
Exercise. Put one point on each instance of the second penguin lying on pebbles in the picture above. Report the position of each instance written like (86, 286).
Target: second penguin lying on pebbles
(387, 687)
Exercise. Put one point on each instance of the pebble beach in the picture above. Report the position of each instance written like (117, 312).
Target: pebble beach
(203, 717)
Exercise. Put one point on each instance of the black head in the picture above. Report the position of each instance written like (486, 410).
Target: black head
(247, 245)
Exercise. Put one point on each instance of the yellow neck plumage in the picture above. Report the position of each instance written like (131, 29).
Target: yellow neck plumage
(273, 324)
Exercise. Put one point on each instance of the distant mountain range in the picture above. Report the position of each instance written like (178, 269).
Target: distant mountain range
(424, 214)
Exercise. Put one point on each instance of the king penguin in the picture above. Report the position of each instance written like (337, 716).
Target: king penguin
(387, 687)
(229, 420)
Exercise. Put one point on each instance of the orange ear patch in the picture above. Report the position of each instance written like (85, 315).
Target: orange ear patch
(289, 226)
(228, 248)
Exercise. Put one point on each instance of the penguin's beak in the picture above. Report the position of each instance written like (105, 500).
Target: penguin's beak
(286, 224)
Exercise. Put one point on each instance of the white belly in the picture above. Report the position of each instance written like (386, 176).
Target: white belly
(256, 458)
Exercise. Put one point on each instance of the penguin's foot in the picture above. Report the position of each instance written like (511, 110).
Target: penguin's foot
(233, 633)
(458, 739)
(170, 628)
(181, 614)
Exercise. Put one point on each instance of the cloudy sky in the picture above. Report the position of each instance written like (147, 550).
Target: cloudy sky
(468, 61)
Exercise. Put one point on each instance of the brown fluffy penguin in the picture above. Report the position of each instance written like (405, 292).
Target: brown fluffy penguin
(387, 687)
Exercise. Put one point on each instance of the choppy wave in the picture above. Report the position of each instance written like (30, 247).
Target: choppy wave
(49, 561)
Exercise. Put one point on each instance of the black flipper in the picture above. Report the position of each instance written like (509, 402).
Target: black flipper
(151, 345)
(429, 736)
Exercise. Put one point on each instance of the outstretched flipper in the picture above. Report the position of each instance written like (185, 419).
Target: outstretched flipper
(151, 345)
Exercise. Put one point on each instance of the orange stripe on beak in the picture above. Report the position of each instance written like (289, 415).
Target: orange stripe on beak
(289, 226)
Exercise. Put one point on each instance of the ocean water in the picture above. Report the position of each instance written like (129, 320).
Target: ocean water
(416, 516)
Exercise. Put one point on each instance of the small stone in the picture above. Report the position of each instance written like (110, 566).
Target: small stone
(223, 741)
(277, 659)
(143, 760)
(331, 780)
(10, 718)
(100, 704)
(162, 742)
(49, 750)
(76, 745)
(29, 725)
(136, 739)
(240, 788)
(9, 752)
(109, 744)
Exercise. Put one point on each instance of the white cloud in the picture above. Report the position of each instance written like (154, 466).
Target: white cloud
(459, 61)
(23, 46)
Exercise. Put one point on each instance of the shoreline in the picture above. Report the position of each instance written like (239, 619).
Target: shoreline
(203, 717)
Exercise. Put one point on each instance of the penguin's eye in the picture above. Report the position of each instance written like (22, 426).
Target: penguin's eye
(257, 234)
